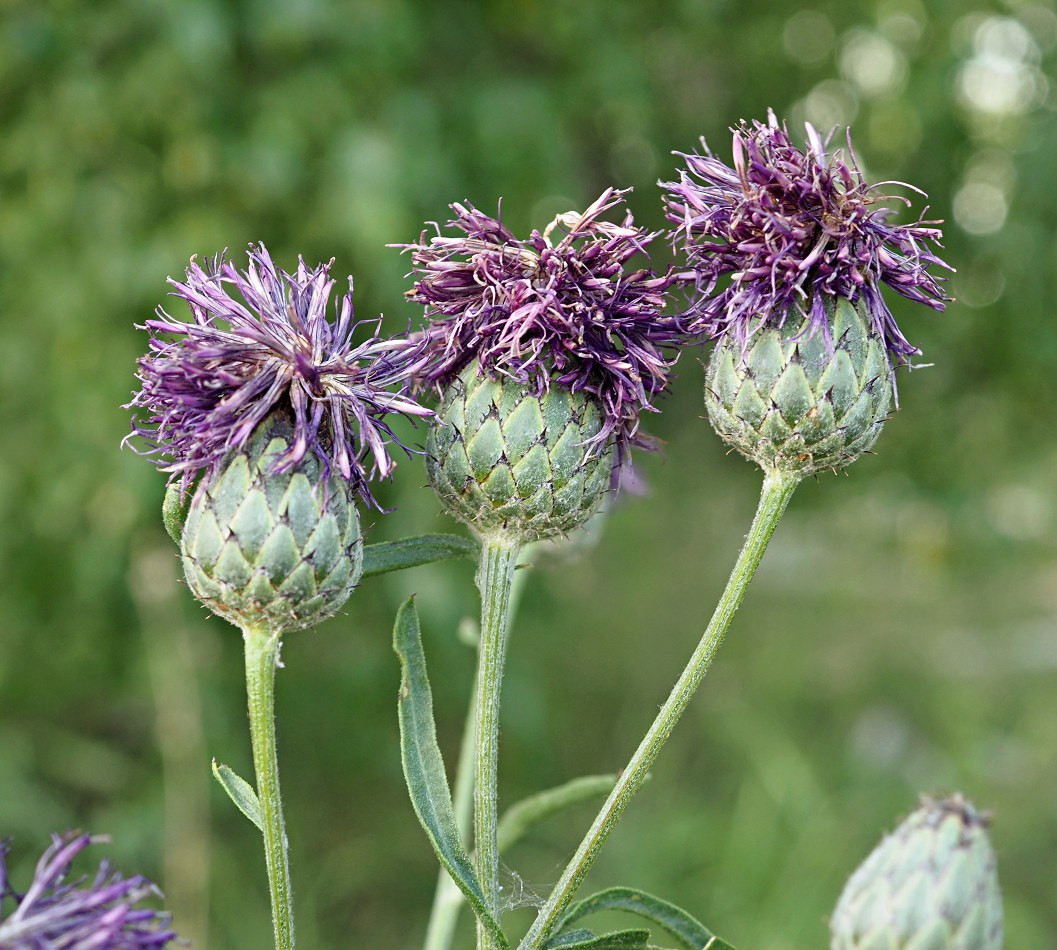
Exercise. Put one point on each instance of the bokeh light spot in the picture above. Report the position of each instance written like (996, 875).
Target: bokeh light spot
(808, 37)
(902, 21)
(980, 207)
(830, 103)
(872, 63)
(1001, 76)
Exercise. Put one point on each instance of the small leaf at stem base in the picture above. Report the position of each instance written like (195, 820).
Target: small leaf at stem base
(240, 792)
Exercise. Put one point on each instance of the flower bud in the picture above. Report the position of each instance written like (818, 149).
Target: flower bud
(505, 461)
(279, 549)
(798, 398)
(931, 884)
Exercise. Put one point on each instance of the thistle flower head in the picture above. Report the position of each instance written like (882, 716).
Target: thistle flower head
(771, 237)
(259, 341)
(932, 882)
(563, 307)
(102, 913)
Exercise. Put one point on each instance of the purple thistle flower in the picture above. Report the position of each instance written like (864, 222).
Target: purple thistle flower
(562, 307)
(208, 383)
(788, 227)
(80, 915)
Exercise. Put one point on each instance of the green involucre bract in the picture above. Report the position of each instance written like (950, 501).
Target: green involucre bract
(506, 462)
(802, 401)
(930, 885)
(282, 551)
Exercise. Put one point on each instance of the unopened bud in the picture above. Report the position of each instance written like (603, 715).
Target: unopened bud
(930, 885)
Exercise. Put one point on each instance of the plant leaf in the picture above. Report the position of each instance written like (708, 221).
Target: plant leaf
(174, 508)
(570, 937)
(424, 768)
(411, 552)
(618, 940)
(240, 792)
(690, 932)
(520, 817)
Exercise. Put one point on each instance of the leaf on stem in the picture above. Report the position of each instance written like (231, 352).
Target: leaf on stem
(412, 552)
(585, 940)
(690, 932)
(424, 772)
(570, 937)
(174, 510)
(240, 792)
(522, 816)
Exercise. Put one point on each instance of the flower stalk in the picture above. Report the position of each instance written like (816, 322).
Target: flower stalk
(262, 659)
(495, 577)
(778, 488)
(447, 898)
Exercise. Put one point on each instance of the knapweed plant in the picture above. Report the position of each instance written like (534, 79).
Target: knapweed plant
(543, 353)
(263, 411)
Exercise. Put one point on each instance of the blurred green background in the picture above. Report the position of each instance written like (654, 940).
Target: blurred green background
(900, 638)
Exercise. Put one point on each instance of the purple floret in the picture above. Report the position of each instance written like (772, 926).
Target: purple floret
(769, 238)
(259, 341)
(562, 308)
(100, 914)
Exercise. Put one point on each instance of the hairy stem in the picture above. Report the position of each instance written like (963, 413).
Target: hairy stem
(262, 654)
(777, 490)
(447, 898)
(495, 575)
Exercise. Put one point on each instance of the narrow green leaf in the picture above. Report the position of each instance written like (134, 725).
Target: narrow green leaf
(618, 940)
(517, 820)
(690, 932)
(424, 768)
(240, 792)
(411, 552)
(570, 937)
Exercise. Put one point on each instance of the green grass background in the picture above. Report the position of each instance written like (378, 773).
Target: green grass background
(901, 636)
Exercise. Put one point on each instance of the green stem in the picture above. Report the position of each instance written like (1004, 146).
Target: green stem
(495, 575)
(262, 654)
(777, 490)
(448, 900)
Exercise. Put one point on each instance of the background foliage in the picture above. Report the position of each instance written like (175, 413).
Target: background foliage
(901, 636)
